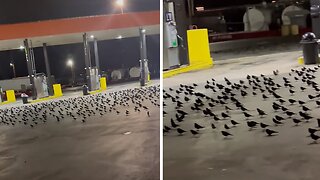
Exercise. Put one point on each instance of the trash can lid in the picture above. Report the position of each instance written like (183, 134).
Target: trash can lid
(24, 95)
(309, 37)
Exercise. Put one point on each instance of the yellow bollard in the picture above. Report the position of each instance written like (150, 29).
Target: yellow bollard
(199, 53)
(57, 90)
(300, 60)
(103, 83)
(11, 97)
(199, 49)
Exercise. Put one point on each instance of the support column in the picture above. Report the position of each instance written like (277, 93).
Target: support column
(87, 60)
(46, 60)
(143, 58)
(96, 55)
(30, 67)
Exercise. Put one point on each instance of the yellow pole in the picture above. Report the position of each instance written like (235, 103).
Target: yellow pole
(103, 83)
(11, 97)
(57, 90)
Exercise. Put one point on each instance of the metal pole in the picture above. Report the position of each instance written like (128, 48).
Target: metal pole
(30, 69)
(46, 60)
(14, 70)
(33, 62)
(143, 57)
(96, 55)
(87, 60)
(73, 75)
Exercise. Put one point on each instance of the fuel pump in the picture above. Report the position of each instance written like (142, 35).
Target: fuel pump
(171, 38)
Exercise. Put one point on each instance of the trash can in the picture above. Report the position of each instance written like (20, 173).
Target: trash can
(24, 98)
(85, 90)
(310, 48)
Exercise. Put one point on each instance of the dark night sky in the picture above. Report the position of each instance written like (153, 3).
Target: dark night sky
(12, 11)
(113, 53)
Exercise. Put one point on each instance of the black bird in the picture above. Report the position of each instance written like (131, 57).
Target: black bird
(276, 122)
(261, 112)
(311, 97)
(292, 101)
(234, 123)
(197, 126)
(211, 105)
(312, 131)
(243, 93)
(318, 103)
(180, 118)
(180, 131)
(226, 134)
(182, 112)
(264, 96)
(314, 137)
(307, 117)
(243, 108)
(305, 108)
(227, 108)
(276, 107)
(301, 102)
(224, 115)
(271, 132)
(167, 128)
(252, 124)
(262, 125)
(247, 115)
(173, 124)
(226, 126)
(215, 117)
(193, 132)
(276, 95)
(291, 91)
(213, 126)
(303, 88)
(279, 118)
(296, 121)
(302, 114)
(289, 113)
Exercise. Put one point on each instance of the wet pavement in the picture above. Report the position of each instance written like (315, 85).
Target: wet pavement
(110, 146)
(249, 154)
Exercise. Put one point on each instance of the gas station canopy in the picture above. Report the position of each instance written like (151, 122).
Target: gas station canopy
(68, 31)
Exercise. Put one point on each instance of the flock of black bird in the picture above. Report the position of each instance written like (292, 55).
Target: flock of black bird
(124, 102)
(217, 102)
